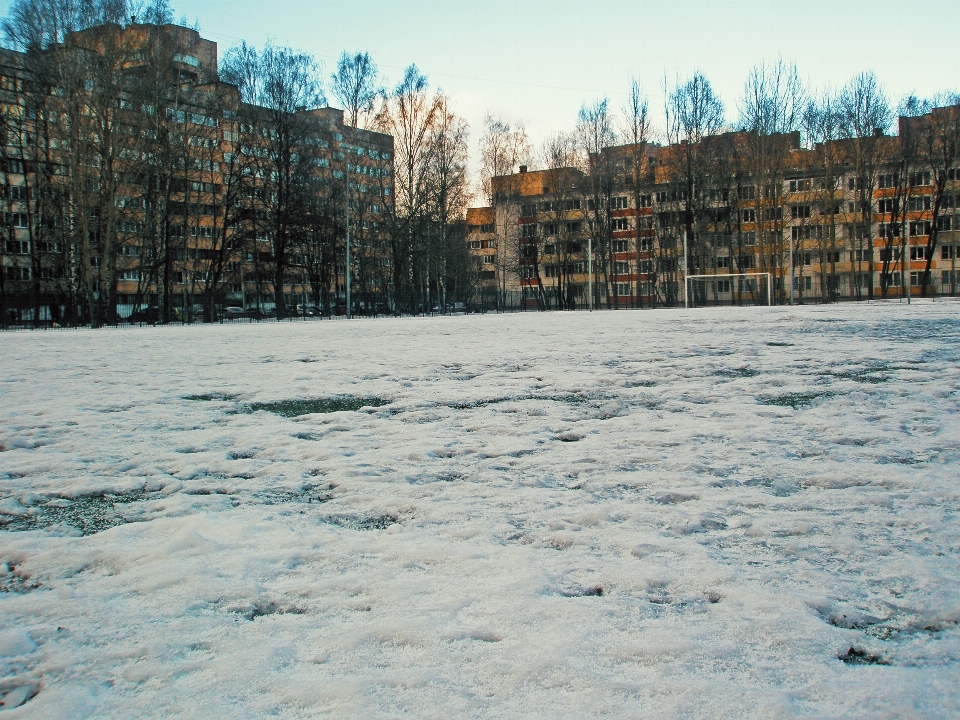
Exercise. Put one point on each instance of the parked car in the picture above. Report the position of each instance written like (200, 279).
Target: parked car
(234, 313)
(257, 314)
(149, 315)
(309, 311)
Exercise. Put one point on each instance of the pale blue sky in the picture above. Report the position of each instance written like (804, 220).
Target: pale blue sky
(539, 60)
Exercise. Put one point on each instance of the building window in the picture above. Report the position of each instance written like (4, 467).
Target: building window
(621, 224)
(619, 203)
(809, 232)
(888, 230)
(18, 273)
(723, 286)
(748, 215)
(723, 262)
(18, 247)
(888, 180)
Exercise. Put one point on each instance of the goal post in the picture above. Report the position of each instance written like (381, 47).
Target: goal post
(729, 289)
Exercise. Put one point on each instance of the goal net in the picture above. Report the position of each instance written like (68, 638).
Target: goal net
(730, 289)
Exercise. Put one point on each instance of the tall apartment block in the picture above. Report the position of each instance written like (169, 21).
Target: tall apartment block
(132, 177)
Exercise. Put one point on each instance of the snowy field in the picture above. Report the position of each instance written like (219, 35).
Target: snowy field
(709, 514)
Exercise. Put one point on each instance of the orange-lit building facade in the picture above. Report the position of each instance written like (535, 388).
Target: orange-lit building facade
(846, 220)
(75, 235)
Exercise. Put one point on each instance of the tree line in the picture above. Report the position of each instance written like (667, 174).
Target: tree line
(720, 188)
(127, 164)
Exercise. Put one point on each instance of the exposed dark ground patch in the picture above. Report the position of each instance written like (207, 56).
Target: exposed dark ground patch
(856, 656)
(304, 406)
(797, 400)
(15, 581)
(734, 373)
(211, 397)
(362, 522)
(90, 514)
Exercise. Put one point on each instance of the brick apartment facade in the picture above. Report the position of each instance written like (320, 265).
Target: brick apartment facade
(851, 219)
(97, 218)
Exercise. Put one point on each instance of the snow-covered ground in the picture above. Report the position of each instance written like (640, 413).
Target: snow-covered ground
(706, 513)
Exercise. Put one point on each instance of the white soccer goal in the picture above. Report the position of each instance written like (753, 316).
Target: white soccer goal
(728, 289)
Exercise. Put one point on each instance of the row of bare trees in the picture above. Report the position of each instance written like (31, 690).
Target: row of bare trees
(125, 162)
(721, 192)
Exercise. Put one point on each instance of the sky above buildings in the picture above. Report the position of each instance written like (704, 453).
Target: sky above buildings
(538, 61)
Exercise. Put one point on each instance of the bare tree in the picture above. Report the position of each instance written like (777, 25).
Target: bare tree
(693, 113)
(595, 133)
(279, 86)
(503, 150)
(636, 133)
(771, 109)
(864, 118)
(449, 194)
(410, 116)
(356, 84)
(935, 135)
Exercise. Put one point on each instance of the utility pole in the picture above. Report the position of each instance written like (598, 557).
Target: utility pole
(791, 266)
(590, 269)
(905, 260)
(348, 239)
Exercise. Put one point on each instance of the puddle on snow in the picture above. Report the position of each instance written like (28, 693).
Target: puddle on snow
(307, 406)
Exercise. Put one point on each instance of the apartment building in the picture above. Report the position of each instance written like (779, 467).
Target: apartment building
(133, 177)
(735, 219)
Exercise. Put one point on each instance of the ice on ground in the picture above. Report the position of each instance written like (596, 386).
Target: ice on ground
(711, 513)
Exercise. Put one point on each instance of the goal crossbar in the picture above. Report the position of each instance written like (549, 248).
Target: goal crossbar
(727, 276)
